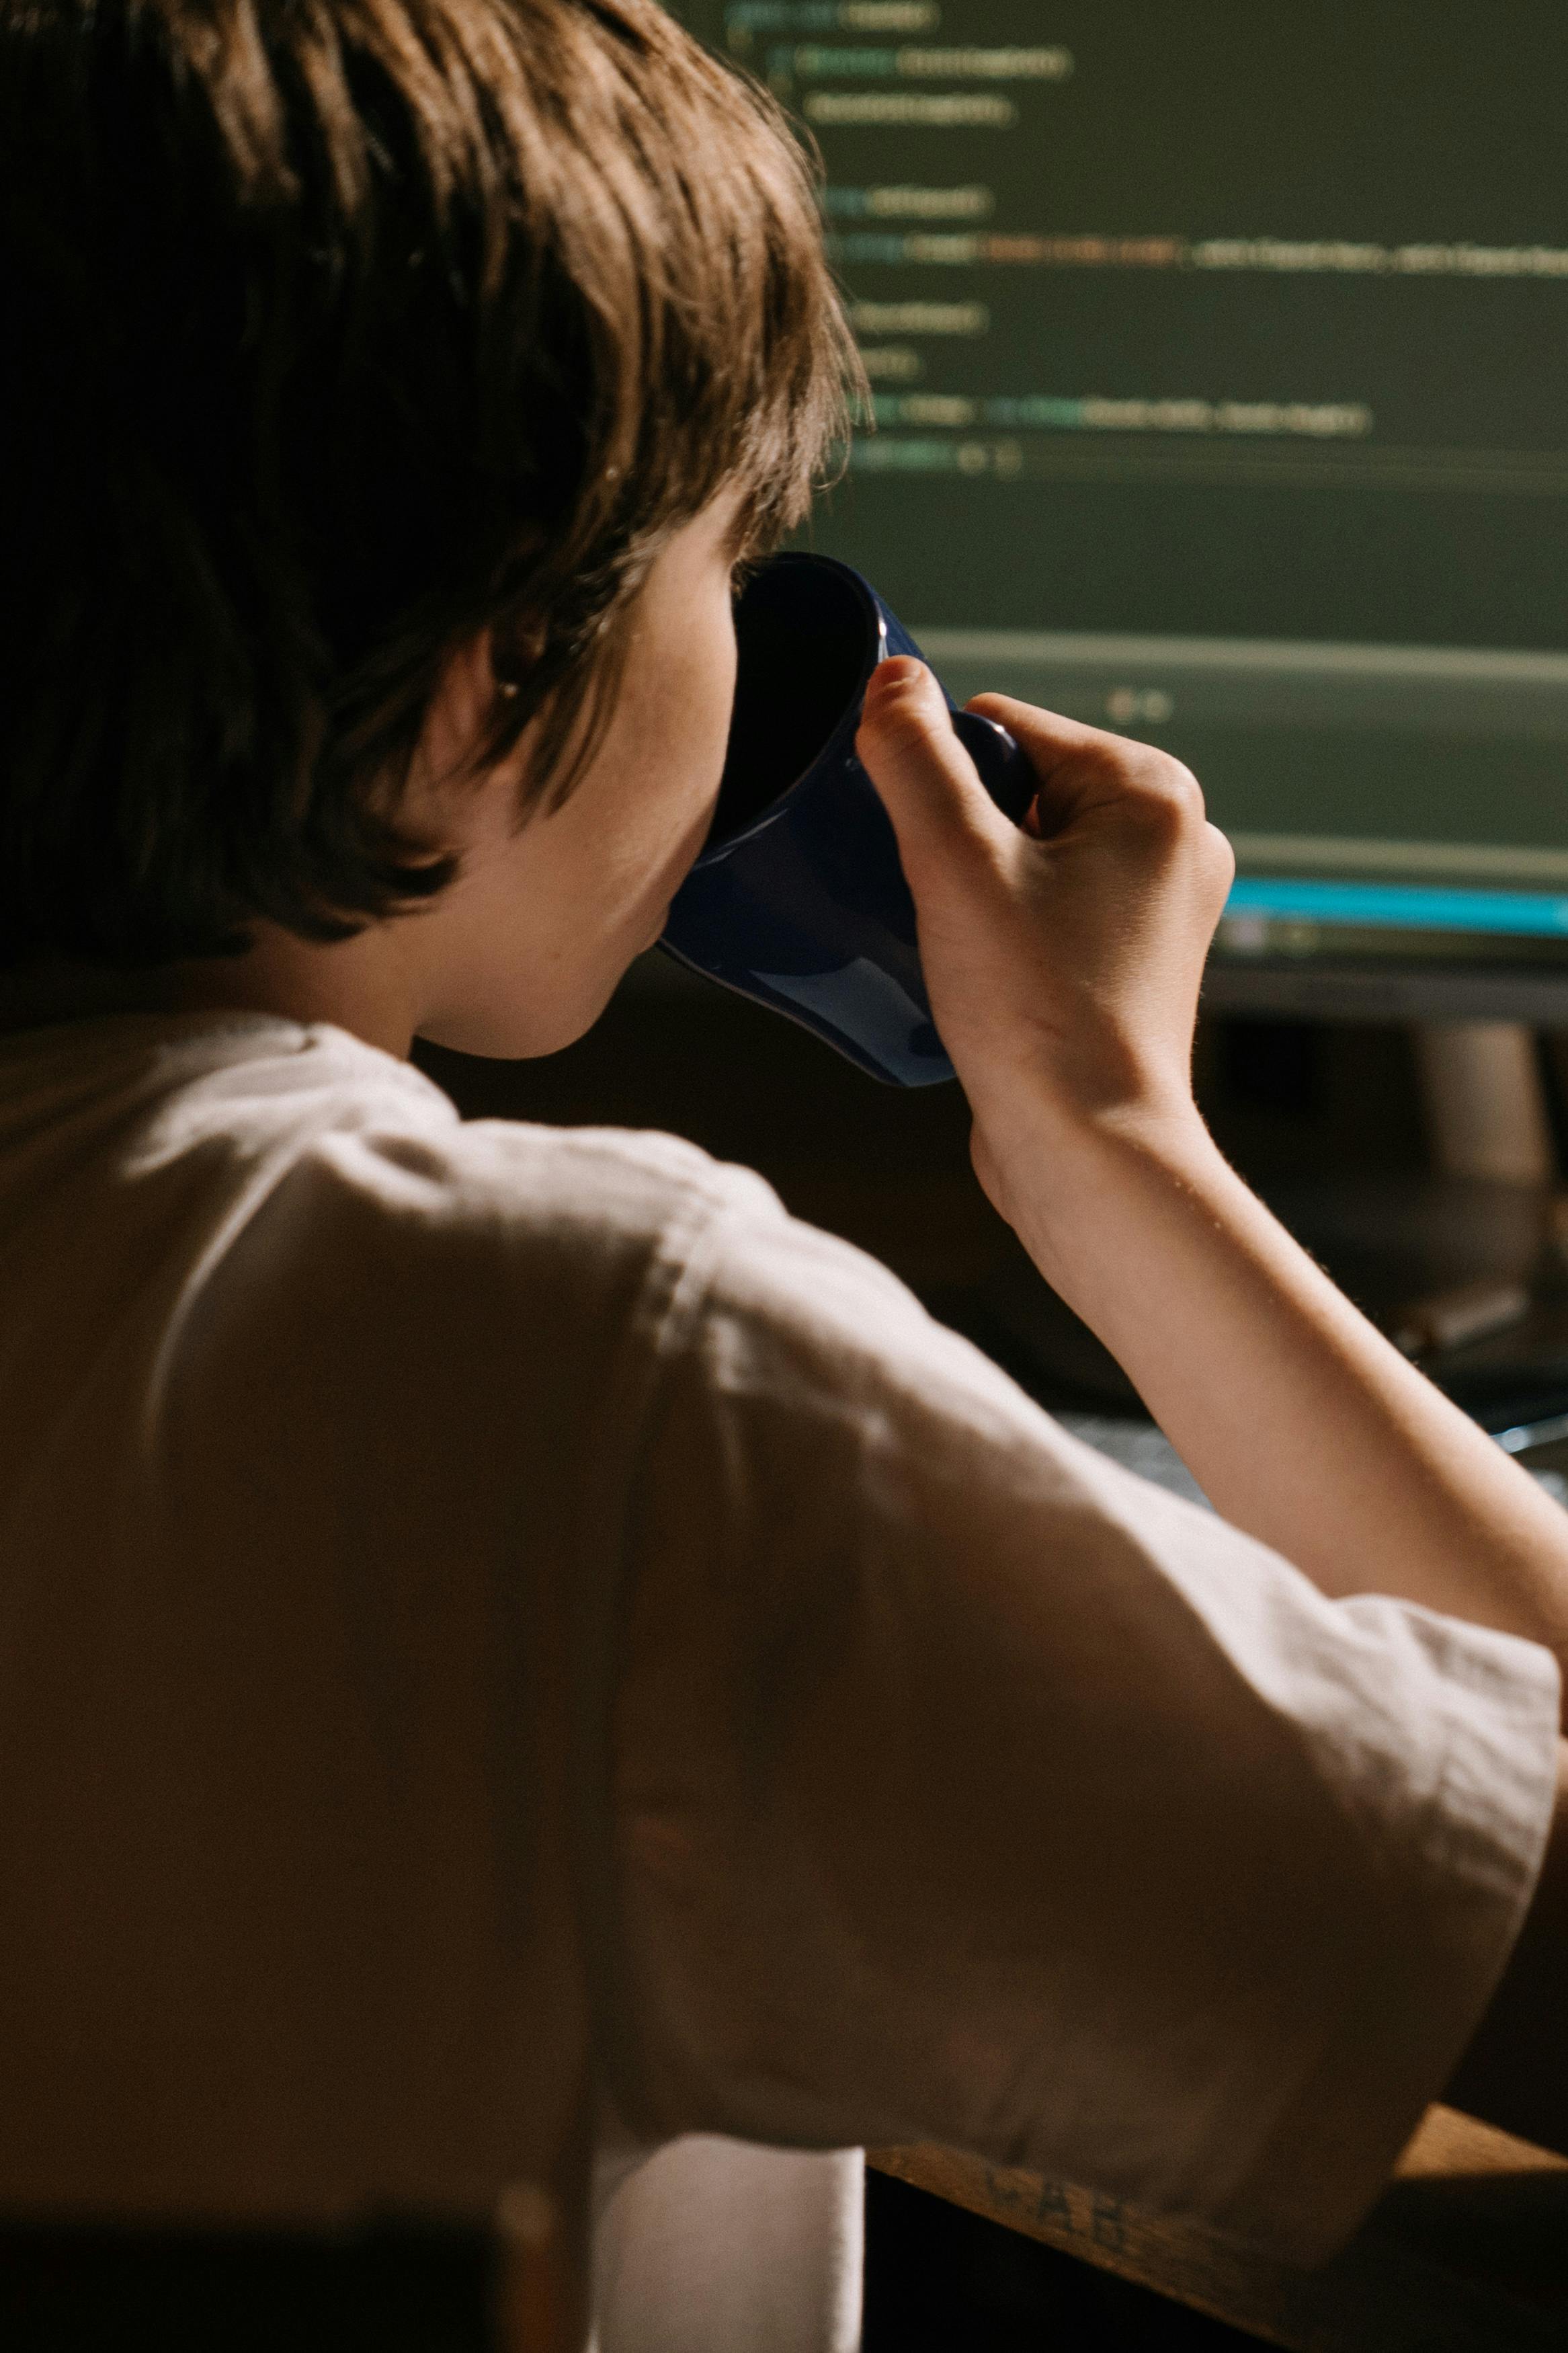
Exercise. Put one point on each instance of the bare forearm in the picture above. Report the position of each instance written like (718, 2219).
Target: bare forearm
(1064, 965)
(1064, 972)
(1302, 1423)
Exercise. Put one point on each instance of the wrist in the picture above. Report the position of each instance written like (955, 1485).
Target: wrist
(1074, 1184)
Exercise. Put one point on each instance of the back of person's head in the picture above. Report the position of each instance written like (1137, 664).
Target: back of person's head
(337, 331)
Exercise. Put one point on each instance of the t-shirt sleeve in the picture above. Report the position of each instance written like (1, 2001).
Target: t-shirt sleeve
(967, 1789)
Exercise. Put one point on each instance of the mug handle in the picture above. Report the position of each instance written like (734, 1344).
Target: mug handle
(1004, 766)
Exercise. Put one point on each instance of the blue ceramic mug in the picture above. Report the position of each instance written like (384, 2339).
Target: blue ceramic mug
(797, 898)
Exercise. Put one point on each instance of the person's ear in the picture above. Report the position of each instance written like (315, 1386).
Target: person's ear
(476, 684)
(514, 656)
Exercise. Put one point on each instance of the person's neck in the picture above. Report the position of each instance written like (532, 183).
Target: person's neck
(359, 985)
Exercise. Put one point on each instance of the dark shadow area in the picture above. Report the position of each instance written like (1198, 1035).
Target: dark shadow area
(392, 2290)
(1325, 1120)
(1512, 2227)
(939, 2280)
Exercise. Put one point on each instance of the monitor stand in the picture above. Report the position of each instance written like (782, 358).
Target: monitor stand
(1486, 1108)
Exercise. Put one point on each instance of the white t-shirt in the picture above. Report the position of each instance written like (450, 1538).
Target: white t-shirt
(487, 1611)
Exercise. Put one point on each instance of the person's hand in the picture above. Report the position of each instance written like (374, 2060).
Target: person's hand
(1063, 960)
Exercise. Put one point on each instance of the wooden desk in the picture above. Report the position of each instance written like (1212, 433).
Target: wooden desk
(1466, 2251)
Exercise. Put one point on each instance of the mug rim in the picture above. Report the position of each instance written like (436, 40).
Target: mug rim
(776, 808)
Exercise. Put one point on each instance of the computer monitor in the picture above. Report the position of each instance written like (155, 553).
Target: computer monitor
(1219, 358)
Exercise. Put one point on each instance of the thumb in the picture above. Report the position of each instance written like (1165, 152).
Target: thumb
(927, 781)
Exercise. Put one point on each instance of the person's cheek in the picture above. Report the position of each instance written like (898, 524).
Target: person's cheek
(719, 690)
(698, 720)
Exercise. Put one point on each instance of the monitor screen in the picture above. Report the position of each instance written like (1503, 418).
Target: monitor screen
(1219, 364)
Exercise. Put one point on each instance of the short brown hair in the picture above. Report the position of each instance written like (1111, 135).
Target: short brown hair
(336, 332)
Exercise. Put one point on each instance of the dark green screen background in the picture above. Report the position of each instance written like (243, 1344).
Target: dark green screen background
(1390, 122)
(1445, 526)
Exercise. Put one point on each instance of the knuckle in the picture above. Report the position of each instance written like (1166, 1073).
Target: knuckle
(903, 727)
(901, 719)
(1169, 795)
(1221, 857)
